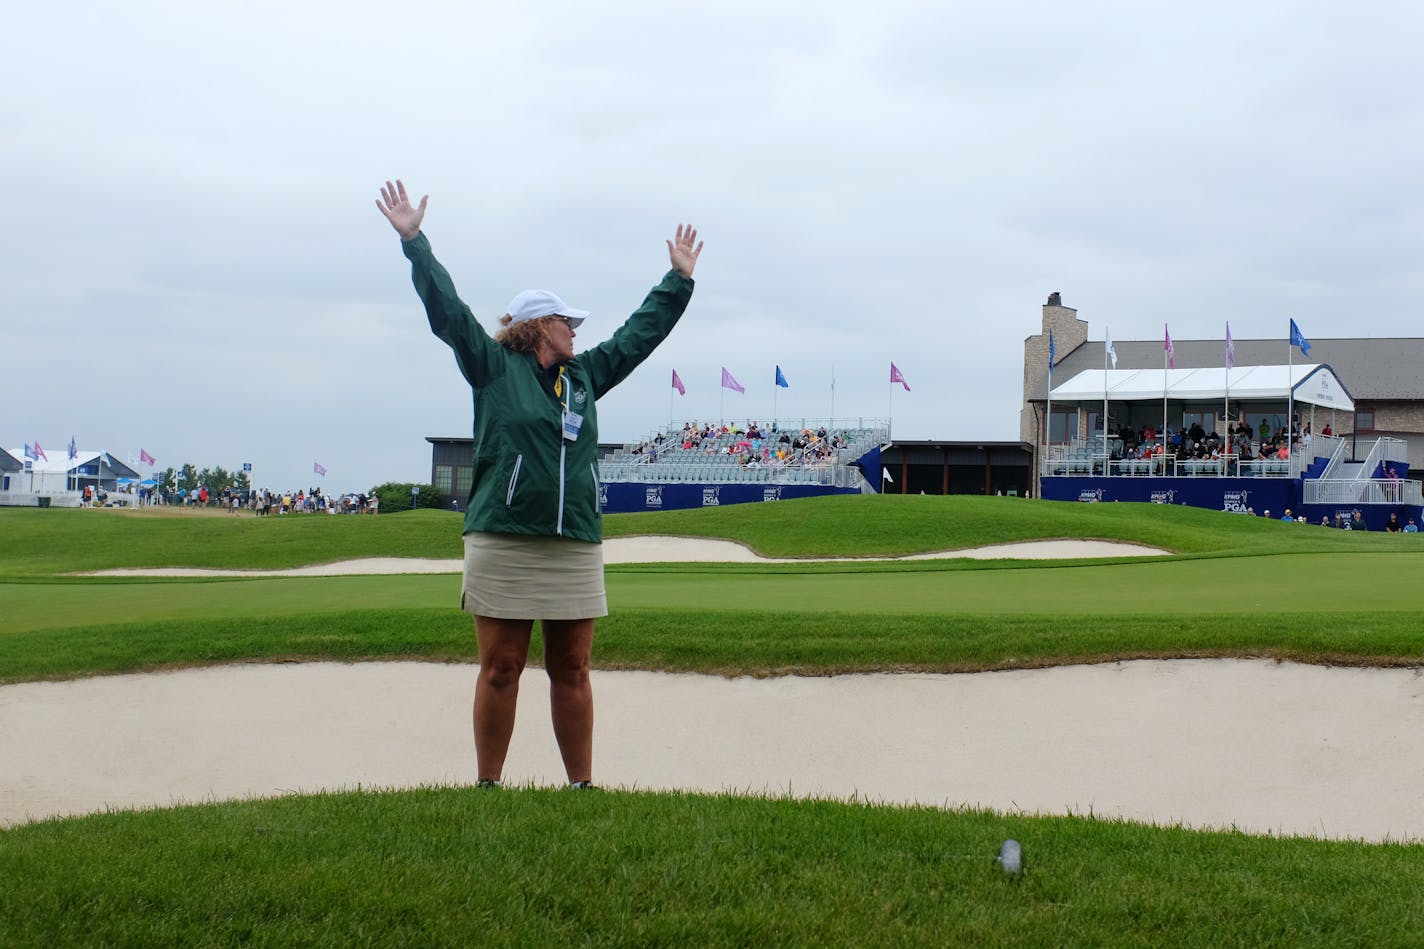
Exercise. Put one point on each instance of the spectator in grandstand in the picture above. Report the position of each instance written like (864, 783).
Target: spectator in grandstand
(1393, 525)
(1411, 527)
(1325, 520)
(1357, 521)
(533, 547)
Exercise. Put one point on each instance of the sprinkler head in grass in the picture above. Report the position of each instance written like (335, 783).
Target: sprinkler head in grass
(1011, 857)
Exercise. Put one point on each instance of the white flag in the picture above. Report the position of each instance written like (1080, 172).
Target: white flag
(885, 475)
(1112, 353)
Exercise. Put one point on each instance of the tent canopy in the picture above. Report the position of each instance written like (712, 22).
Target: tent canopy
(1313, 384)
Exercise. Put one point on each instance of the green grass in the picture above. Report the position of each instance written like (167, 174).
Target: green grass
(1248, 587)
(533, 867)
(541, 867)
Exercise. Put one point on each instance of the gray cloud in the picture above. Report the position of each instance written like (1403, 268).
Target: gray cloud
(191, 231)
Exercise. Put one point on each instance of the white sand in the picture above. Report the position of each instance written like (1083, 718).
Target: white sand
(661, 550)
(1264, 747)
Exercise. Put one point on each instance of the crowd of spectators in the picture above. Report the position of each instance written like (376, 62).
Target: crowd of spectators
(262, 502)
(1343, 520)
(752, 446)
(1195, 443)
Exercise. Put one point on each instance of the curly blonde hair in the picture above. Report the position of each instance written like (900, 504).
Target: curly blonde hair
(523, 337)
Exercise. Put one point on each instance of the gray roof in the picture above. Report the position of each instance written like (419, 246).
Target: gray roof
(1370, 369)
(9, 462)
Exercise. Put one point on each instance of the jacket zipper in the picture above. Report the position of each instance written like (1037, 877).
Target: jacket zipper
(563, 445)
(513, 480)
(563, 451)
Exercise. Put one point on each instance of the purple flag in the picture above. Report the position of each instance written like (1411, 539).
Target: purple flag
(319, 468)
(895, 376)
(1171, 353)
(1230, 349)
(39, 453)
(677, 383)
(729, 383)
(146, 458)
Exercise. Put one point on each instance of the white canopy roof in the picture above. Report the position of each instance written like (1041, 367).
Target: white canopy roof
(1313, 384)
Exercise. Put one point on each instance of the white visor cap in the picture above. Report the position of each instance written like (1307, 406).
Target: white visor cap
(534, 304)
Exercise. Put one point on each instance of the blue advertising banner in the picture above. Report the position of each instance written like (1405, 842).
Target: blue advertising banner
(626, 497)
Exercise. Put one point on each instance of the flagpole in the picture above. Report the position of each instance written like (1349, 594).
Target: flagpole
(1290, 392)
(1047, 426)
(1106, 347)
(1166, 353)
(1226, 398)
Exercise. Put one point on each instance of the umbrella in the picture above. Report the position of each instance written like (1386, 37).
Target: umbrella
(148, 483)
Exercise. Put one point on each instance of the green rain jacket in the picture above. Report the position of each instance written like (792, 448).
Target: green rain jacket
(528, 477)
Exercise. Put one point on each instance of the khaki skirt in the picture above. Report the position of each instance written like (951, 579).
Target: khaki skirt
(519, 576)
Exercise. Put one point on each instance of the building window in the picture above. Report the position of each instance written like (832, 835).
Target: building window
(443, 478)
(1063, 426)
(1365, 421)
(464, 475)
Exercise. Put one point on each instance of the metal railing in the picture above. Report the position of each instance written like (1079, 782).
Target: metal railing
(840, 476)
(1363, 491)
(1384, 449)
(1337, 453)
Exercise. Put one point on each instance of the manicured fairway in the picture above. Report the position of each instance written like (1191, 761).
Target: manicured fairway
(1266, 586)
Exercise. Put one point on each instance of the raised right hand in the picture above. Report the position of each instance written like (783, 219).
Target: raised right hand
(404, 216)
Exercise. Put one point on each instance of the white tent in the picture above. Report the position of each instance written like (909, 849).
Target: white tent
(1313, 384)
(56, 473)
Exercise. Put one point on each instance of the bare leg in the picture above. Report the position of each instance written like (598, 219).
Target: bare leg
(568, 648)
(504, 648)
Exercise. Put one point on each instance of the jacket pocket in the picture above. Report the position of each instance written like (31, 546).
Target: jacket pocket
(513, 480)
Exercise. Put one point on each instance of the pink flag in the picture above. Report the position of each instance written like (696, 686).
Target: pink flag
(146, 458)
(39, 453)
(677, 383)
(318, 468)
(729, 383)
(895, 376)
(1171, 353)
(1230, 349)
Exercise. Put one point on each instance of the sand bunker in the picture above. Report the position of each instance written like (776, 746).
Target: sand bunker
(663, 550)
(1260, 746)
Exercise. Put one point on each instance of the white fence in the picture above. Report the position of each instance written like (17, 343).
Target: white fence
(1362, 491)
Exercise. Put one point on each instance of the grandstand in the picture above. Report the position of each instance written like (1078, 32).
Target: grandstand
(670, 470)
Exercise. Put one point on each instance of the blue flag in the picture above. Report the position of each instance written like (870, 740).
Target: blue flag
(1052, 351)
(781, 380)
(1298, 339)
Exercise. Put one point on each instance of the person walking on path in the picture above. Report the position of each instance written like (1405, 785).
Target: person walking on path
(533, 530)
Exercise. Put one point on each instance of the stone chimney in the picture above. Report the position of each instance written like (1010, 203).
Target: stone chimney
(1069, 333)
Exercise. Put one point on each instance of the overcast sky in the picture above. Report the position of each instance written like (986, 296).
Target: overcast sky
(194, 265)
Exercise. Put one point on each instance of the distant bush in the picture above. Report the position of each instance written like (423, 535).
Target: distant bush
(395, 496)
